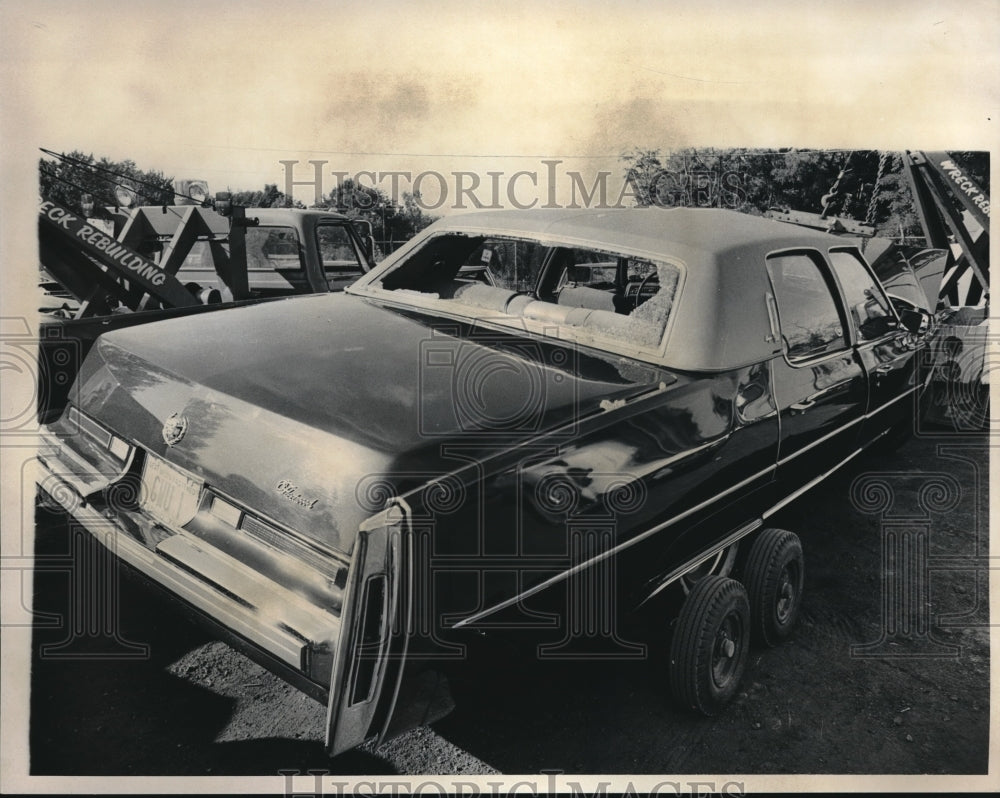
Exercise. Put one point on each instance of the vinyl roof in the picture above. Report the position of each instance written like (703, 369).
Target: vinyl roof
(720, 320)
(673, 232)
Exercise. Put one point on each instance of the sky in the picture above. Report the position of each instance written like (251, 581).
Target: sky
(225, 91)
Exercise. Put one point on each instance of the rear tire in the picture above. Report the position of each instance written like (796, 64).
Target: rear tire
(711, 643)
(774, 578)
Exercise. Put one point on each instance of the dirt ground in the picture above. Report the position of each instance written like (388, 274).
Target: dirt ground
(887, 673)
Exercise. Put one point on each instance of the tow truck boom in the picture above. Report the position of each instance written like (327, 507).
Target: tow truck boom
(91, 264)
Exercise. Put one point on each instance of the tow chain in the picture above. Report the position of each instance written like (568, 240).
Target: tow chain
(883, 159)
(829, 199)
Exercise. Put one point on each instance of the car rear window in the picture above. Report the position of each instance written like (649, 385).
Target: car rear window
(569, 290)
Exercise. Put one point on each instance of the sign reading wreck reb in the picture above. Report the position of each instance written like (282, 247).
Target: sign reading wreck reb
(968, 191)
(119, 259)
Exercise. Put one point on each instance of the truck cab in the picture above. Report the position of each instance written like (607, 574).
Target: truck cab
(126, 267)
(288, 251)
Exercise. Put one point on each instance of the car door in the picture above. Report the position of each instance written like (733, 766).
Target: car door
(887, 350)
(820, 384)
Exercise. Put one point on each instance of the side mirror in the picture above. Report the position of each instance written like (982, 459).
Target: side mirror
(364, 230)
(913, 320)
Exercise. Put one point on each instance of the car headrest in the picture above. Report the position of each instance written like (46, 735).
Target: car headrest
(584, 297)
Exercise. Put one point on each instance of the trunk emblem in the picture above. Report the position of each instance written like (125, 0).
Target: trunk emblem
(293, 494)
(174, 429)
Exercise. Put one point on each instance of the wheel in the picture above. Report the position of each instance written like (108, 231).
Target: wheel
(711, 643)
(774, 576)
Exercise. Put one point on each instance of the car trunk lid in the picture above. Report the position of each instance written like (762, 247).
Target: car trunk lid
(314, 431)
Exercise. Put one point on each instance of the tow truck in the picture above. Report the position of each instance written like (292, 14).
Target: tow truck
(954, 212)
(115, 267)
(959, 357)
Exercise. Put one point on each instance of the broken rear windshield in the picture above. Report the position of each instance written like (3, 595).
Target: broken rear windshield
(577, 291)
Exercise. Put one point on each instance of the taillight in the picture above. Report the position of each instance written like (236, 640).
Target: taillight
(370, 639)
(227, 513)
(117, 447)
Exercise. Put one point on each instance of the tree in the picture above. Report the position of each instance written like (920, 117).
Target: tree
(413, 214)
(270, 197)
(860, 185)
(65, 178)
(391, 222)
(642, 169)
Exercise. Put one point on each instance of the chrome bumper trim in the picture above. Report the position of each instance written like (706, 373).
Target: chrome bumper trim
(260, 610)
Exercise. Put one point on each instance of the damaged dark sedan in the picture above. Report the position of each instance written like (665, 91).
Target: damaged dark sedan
(348, 485)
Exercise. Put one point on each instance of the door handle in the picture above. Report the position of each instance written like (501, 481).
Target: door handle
(885, 368)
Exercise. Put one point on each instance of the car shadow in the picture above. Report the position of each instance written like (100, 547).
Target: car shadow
(103, 701)
(553, 712)
(519, 709)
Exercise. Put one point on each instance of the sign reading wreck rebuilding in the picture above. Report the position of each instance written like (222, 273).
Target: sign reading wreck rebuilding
(963, 186)
(118, 259)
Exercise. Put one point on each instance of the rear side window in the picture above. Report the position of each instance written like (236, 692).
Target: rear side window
(866, 301)
(807, 312)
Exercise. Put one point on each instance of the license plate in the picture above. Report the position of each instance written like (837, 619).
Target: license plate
(168, 494)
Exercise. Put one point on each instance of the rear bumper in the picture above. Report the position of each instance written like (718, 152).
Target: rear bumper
(282, 623)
